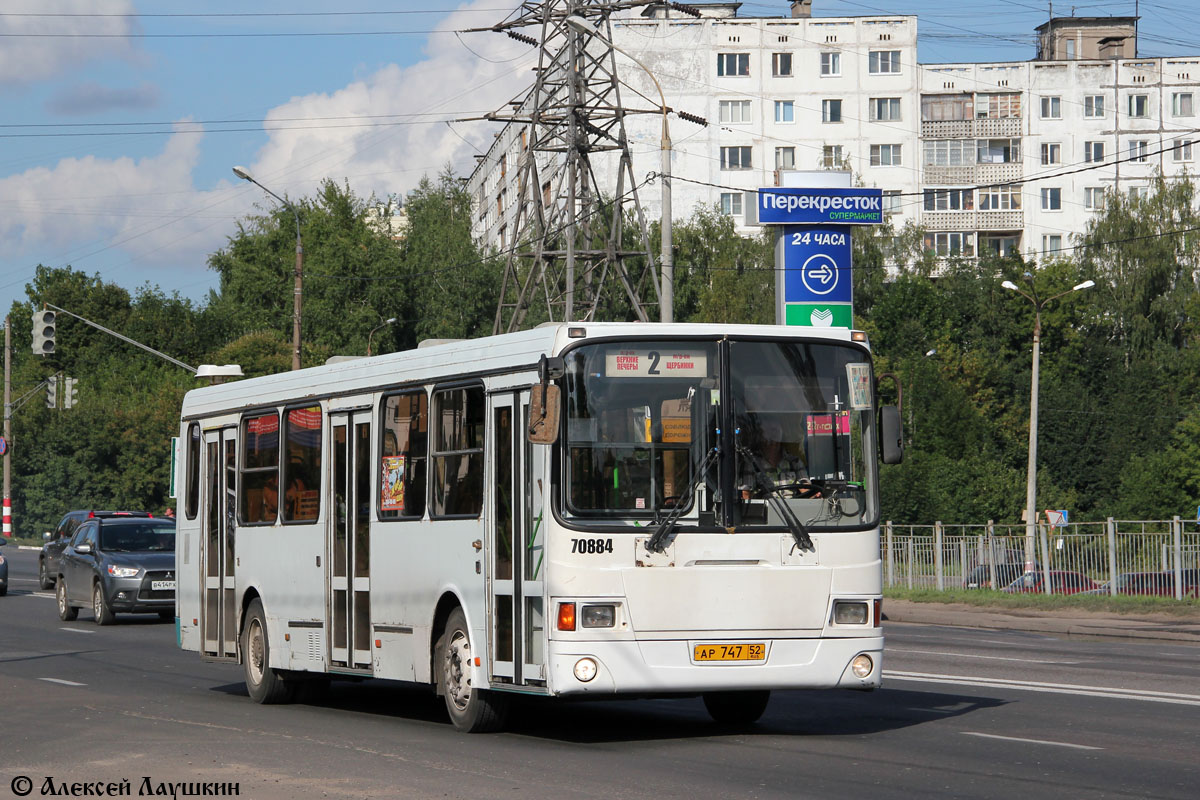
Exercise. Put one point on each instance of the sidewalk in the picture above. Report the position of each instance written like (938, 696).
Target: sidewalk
(1163, 627)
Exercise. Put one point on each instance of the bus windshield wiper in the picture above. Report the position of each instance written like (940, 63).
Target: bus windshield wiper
(799, 532)
(655, 543)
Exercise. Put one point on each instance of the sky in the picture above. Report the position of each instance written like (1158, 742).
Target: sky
(121, 120)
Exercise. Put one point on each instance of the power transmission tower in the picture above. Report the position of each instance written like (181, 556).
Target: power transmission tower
(573, 252)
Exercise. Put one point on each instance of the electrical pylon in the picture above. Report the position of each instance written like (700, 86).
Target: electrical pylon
(573, 252)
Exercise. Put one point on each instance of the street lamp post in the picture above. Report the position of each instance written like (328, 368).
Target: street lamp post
(667, 283)
(1031, 474)
(242, 173)
(370, 335)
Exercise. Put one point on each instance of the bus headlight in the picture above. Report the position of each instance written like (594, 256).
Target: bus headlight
(599, 616)
(586, 669)
(862, 665)
(850, 613)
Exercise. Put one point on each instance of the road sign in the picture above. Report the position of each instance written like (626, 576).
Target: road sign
(785, 206)
(816, 264)
(1057, 519)
(815, 315)
(3, 445)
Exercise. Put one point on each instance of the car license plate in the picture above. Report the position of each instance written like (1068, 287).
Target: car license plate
(162, 586)
(740, 651)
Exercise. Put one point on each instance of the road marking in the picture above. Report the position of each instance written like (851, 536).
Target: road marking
(970, 655)
(76, 630)
(1051, 688)
(47, 595)
(60, 680)
(1031, 741)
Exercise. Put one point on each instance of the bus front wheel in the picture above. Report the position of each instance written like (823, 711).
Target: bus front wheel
(471, 709)
(737, 708)
(265, 685)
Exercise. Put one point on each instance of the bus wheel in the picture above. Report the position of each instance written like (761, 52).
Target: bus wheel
(263, 683)
(737, 708)
(472, 710)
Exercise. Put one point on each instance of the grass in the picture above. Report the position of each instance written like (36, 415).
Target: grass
(986, 598)
(25, 541)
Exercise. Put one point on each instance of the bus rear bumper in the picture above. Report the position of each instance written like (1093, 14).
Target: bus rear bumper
(669, 666)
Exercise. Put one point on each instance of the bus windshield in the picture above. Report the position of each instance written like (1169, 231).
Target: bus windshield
(642, 417)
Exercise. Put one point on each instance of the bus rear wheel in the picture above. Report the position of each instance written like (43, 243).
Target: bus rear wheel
(265, 685)
(471, 709)
(737, 708)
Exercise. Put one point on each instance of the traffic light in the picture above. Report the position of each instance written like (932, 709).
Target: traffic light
(52, 392)
(43, 333)
(70, 392)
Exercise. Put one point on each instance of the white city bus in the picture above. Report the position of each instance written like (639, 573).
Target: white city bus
(583, 509)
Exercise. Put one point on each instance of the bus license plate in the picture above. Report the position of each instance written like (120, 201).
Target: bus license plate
(162, 586)
(742, 651)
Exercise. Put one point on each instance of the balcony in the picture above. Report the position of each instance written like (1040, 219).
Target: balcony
(972, 174)
(1006, 127)
(972, 220)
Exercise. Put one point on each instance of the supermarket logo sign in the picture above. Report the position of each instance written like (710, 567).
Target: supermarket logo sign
(820, 206)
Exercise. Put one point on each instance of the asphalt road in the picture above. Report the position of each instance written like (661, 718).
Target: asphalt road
(965, 713)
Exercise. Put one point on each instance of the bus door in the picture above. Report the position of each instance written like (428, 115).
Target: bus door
(218, 612)
(516, 532)
(348, 541)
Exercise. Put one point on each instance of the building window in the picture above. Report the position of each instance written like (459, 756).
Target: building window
(781, 65)
(731, 204)
(950, 244)
(998, 106)
(1139, 192)
(457, 452)
(730, 65)
(1181, 104)
(949, 200)
(1001, 245)
(735, 158)
(885, 155)
(1051, 108)
(885, 109)
(1051, 243)
(831, 156)
(1137, 150)
(784, 111)
(405, 427)
(1051, 199)
(1139, 106)
(938, 107)
(892, 199)
(949, 152)
(302, 470)
(1051, 153)
(1182, 151)
(831, 64)
(998, 151)
(785, 158)
(884, 62)
(1000, 198)
(1093, 198)
(831, 111)
(1093, 152)
(735, 111)
(258, 487)
(1093, 106)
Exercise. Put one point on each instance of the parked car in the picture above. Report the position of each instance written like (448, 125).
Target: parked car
(981, 576)
(1061, 582)
(1191, 583)
(118, 564)
(56, 541)
(3, 572)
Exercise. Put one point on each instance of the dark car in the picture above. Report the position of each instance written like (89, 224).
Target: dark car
(118, 564)
(3, 572)
(981, 576)
(57, 540)
(1061, 582)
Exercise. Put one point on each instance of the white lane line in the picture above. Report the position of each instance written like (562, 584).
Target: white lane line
(48, 595)
(60, 680)
(970, 655)
(76, 630)
(1031, 741)
(1050, 688)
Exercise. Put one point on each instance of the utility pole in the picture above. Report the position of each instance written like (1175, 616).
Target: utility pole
(8, 532)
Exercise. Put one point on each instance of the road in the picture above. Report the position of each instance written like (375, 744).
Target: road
(965, 713)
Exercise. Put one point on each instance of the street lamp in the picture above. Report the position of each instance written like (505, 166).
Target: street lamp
(386, 322)
(667, 284)
(242, 173)
(1031, 476)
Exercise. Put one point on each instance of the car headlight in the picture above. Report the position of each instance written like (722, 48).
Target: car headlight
(122, 572)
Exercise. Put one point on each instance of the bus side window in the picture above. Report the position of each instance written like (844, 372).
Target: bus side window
(405, 443)
(258, 499)
(458, 452)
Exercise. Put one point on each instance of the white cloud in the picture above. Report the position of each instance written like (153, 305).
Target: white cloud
(31, 52)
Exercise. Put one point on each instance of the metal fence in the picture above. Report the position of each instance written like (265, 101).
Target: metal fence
(944, 557)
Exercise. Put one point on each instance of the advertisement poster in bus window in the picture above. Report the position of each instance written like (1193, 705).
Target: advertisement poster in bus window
(392, 485)
(859, 378)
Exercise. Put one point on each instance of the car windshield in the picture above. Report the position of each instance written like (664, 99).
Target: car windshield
(156, 536)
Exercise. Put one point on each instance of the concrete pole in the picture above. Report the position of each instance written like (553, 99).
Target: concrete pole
(8, 530)
(1031, 470)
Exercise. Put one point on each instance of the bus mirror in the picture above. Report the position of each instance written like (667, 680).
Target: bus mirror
(891, 436)
(543, 413)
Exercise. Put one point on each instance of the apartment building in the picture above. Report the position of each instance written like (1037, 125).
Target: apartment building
(1002, 156)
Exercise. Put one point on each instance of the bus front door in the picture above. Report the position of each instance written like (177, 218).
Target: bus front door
(348, 538)
(516, 534)
(218, 613)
